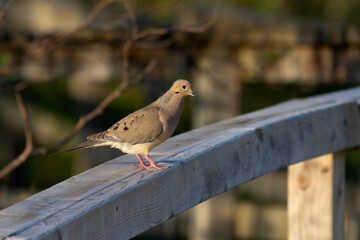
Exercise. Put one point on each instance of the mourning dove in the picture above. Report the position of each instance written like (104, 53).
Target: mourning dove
(144, 129)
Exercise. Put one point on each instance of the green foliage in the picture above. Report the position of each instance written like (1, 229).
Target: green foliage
(263, 5)
(352, 170)
(51, 96)
(258, 94)
(272, 56)
(345, 12)
(41, 172)
(5, 58)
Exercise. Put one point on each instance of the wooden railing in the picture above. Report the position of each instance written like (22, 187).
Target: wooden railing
(115, 200)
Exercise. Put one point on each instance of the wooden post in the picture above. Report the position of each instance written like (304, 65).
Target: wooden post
(316, 192)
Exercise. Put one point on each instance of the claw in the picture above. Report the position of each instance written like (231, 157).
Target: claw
(153, 164)
(142, 164)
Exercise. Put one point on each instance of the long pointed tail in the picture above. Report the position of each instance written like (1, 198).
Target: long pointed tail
(87, 144)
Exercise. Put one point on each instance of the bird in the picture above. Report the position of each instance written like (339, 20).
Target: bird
(144, 129)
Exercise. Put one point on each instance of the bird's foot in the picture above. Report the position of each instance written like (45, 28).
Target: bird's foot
(147, 166)
(153, 164)
(143, 165)
(150, 165)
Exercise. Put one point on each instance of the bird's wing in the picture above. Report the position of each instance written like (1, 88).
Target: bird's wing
(142, 126)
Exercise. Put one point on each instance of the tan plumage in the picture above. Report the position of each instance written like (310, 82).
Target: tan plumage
(144, 129)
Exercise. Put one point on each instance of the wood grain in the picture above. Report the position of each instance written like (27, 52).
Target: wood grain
(316, 193)
(115, 200)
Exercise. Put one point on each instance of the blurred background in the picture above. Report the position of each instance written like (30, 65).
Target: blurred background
(61, 58)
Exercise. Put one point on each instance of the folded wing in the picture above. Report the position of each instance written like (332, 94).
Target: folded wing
(142, 126)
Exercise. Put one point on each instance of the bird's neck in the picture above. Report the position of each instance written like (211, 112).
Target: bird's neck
(172, 104)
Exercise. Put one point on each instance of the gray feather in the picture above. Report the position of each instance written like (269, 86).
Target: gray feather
(87, 144)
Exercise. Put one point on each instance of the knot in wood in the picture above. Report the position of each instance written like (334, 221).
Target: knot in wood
(325, 170)
(303, 180)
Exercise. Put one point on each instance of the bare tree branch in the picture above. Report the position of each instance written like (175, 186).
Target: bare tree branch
(98, 110)
(201, 28)
(124, 17)
(28, 139)
(63, 37)
(125, 83)
(190, 29)
(51, 43)
(134, 38)
(130, 40)
(5, 8)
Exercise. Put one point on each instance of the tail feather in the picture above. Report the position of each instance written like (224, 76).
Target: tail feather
(87, 144)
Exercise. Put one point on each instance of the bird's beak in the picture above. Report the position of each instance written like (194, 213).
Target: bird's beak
(192, 93)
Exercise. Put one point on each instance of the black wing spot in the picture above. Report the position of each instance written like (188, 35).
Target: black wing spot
(177, 92)
(115, 128)
(126, 128)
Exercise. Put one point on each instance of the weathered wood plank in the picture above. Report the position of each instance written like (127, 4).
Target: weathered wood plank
(117, 201)
(316, 193)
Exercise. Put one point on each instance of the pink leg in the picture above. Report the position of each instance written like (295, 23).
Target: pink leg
(142, 162)
(153, 164)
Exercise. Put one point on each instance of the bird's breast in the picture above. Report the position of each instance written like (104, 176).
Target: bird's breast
(141, 148)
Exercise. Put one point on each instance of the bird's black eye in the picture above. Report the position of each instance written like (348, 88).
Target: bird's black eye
(183, 87)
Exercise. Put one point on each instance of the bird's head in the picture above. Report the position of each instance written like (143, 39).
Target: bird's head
(182, 87)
